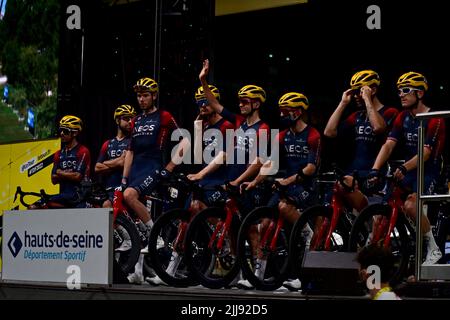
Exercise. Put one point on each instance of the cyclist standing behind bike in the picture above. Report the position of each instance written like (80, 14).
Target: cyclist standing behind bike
(411, 90)
(112, 154)
(144, 161)
(211, 120)
(71, 164)
(367, 128)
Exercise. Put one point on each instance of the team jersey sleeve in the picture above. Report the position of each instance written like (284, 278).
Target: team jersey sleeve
(131, 144)
(314, 145)
(345, 128)
(389, 116)
(103, 156)
(397, 128)
(435, 135)
(56, 158)
(231, 117)
(263, 152)
(84, 164)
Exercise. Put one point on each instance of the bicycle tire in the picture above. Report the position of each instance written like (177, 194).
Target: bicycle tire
(299, 243)
(211, 267)
(161, 248)
(276, 270)
(124, 229)
(399, 239)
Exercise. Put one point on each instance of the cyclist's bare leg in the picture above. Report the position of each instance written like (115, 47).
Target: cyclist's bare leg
(288, 212)
(197, 206)
(107, 204)
(131, 197)
(355, 199)
(410, 210)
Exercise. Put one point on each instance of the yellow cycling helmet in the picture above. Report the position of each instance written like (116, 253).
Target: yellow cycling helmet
(124, 110)
(71, 122)
(200, 94)
(253, 92)
(294, 100)
(414, 80)
(146, 84)
(364, 78)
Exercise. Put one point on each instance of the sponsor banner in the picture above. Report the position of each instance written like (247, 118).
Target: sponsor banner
(47, 245)
(28, 165)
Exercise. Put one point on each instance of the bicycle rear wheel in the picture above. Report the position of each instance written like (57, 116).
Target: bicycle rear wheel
(362, 233)
(212, 266)
(127, 244)
(251, 254)
(166, 256)
(309, 234)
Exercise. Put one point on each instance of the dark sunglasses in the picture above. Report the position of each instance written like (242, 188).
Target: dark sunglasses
(126, 118)
(406, 90)
(202, 103)
(64, 131)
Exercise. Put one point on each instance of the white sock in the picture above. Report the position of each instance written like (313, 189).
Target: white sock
(139, 265)
(259, 273)
(174, 263)
(149, 223)
(430, 240)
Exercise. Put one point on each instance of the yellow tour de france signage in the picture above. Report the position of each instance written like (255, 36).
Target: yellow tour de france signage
(27, 165)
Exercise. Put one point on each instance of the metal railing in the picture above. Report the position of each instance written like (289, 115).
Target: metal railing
(433, 272)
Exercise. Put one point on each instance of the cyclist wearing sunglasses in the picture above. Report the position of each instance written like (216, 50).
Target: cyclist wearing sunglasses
(71, 164)
(112, 154)
(366, 128)
(210, 121)
(412, 87)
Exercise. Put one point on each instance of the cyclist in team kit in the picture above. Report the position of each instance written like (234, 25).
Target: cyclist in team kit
(366, 128)
(112, 154)
(145, 161)
(299, 147)
(412, 87)
(213, 128)
(71, 165)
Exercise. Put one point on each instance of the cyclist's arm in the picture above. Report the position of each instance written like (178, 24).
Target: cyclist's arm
(213, 165)
(110, 165)
(250, 172)
(309, 170)
(266, 167)
(127, 163)
(411, 164)
(376, 120)
(332, 125)
(69, 176)
(177, 156)
(213, 102)
(385, 153)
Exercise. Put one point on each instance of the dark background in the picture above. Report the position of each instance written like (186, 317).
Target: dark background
(326, 43)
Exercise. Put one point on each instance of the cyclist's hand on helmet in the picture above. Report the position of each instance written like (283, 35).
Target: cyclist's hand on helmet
(347, 96)
(366, 93)
(205, 70)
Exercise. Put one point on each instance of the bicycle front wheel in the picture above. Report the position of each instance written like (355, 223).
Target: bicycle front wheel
(364, 232)
(213, 264)
(127, 244)
(263, 265)
(310, 234)
(166, 249)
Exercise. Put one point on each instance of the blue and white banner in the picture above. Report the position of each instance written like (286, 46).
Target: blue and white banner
(48, 245)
